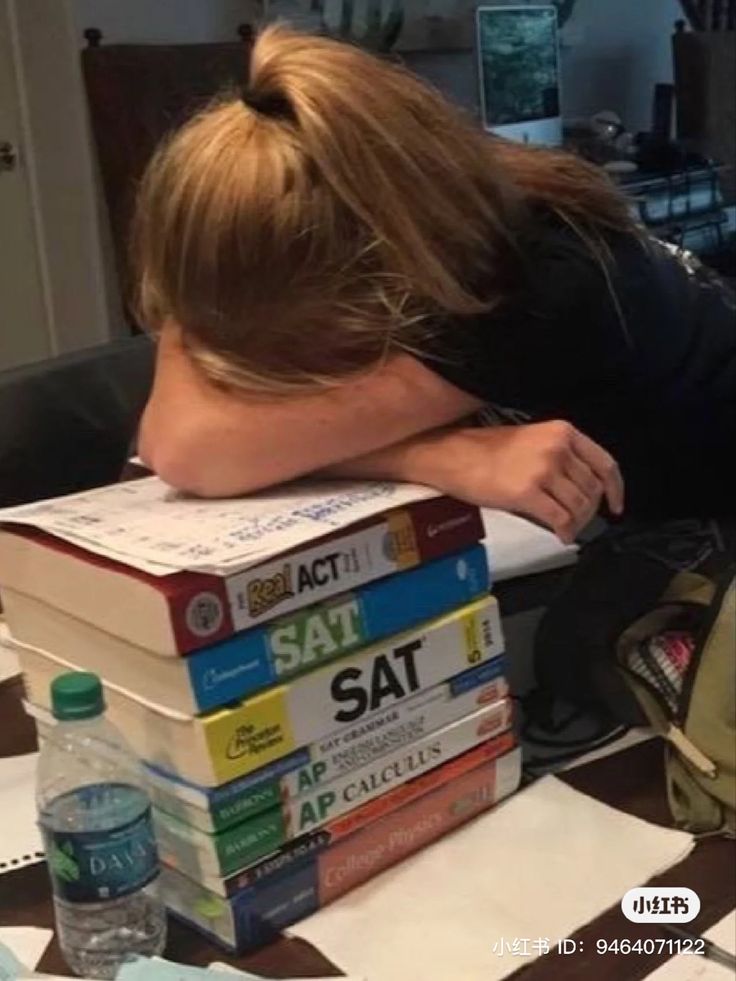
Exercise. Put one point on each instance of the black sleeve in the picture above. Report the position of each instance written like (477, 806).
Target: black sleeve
(639, 353)
(552, 344)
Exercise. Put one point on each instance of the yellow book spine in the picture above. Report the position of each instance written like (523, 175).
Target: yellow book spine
(278, 721)
(263, 735)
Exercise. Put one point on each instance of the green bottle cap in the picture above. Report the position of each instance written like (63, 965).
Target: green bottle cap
(77, 695)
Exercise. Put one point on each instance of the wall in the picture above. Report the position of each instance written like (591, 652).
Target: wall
(614, 51)
(620, 49)
(162, 21)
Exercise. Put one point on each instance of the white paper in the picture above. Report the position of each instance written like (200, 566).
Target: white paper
(158, 969)
(693, 967)
(9, 665)
(27, 943)
(517, 547)
(536, 868)
(20, 840)
(12, 968)
(151, 527)
(229, 969)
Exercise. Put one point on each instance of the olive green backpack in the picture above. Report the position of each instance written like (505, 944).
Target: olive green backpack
(643, 632)
(698, 720)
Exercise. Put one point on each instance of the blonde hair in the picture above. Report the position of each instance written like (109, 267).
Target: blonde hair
(335, 213)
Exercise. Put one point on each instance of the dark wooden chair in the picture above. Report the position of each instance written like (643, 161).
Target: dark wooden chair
(67, 424)
(136, 95)
(705, 80)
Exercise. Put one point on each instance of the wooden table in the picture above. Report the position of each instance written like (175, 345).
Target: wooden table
(631, 781)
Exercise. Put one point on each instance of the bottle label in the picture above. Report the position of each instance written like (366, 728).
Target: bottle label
(89, 866)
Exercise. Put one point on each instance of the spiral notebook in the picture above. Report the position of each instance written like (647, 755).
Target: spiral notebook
(20, 841)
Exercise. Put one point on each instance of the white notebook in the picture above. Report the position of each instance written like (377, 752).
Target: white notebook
(20, 840)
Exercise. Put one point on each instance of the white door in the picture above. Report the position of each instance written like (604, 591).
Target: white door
(24, 321)
(58, 285)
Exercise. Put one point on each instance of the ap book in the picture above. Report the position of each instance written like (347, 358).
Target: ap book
(295, 849)
(203, 856)
(339, 752)
(255, 915)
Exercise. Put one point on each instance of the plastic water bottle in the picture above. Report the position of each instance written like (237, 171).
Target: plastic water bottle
(95, 817)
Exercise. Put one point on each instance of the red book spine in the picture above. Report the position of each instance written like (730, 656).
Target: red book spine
(375, 809)
(348, 824)
(207, 609)
(256, 914)
(443, 525)
(199, 608)
(394, 837)
(197, 604)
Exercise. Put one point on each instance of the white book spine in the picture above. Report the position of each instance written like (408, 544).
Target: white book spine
(343, 751)
(353, 747)
(324, 803)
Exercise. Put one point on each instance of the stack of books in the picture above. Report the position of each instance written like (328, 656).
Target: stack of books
(314, 678)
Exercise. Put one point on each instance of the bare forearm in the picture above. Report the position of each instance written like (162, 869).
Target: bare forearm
(216, 443)
(548, 471)
(418, 460)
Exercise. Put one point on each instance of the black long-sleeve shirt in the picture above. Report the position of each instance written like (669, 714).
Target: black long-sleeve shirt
(639, 353)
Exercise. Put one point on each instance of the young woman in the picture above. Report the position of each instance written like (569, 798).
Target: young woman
(344, 272)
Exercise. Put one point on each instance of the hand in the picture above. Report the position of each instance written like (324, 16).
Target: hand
(548, 471)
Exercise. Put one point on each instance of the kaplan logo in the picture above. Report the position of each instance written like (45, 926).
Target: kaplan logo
(449, 525)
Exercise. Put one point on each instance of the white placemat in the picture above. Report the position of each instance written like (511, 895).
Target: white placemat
(535, 869)
(26, 943)
(693, 967)
(20, 839)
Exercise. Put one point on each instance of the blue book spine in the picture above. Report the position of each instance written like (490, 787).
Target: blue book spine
(255, 914)
(260, 912)
(278, 651)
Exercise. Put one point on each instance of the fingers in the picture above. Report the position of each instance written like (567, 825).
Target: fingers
(547, 471)
(578, 506)
(604, 467)
(579, 473)
(583, 477)
(545, 509)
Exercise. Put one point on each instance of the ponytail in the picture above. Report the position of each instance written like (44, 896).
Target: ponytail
(306, 226)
